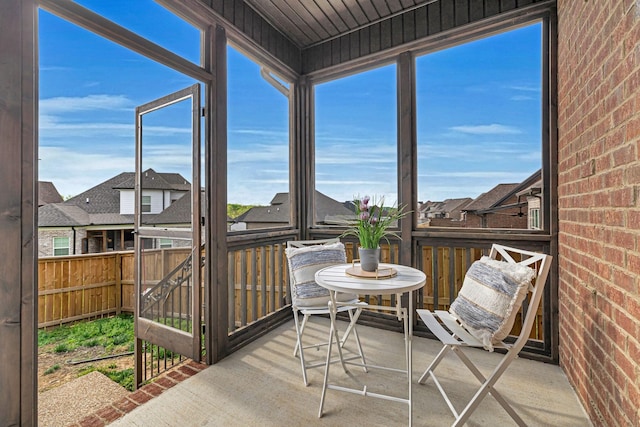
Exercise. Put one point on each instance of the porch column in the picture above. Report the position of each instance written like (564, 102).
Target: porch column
(18, 204)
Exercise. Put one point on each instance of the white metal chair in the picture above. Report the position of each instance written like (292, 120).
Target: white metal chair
(459, 334)
(305, 257)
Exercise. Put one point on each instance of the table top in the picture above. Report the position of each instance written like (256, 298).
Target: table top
(335, 278)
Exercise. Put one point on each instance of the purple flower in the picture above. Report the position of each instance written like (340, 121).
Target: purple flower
(365, 200)
(363, 207)
(364, 215)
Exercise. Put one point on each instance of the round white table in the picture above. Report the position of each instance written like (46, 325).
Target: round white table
(336, 278)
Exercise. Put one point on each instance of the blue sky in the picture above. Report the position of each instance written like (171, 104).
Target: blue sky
(478, 114)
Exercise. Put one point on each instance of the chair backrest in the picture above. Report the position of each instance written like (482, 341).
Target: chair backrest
(298, 244)
(541, 263)
(304, 243)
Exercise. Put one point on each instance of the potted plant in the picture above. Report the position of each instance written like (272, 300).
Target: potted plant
(371, 224)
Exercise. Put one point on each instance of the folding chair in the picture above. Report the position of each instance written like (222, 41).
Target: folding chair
(304, 258)
(464, 320)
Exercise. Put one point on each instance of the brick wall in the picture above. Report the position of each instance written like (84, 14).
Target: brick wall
(599, 211)
(45, 240)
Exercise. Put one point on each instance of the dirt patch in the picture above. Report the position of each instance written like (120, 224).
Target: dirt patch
(48, 360)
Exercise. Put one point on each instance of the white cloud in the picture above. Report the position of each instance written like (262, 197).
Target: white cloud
(522, 98)
(66, 104)
(54, 124)
(261, 132)
(259, 153)
(492, 129)
(525, 88)
(73, 172)
(503, 176)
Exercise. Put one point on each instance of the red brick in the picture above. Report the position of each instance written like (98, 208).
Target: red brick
(187, 370)
(153, 389)
(176, 376)
(125, 405)
(165, 382)
(109, 413)
(91, 421)
(140, 397)
(197, 365)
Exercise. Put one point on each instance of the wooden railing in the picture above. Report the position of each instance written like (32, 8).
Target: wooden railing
(88, 286)
(445, 265)
(258, 283)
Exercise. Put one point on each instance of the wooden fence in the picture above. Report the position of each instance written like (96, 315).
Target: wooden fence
(80, 287)
(88, 286)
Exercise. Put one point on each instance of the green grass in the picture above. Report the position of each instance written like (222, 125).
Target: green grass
(61, 348)
(123, 377)
(52, 369)
(115, 334)
(112, 333)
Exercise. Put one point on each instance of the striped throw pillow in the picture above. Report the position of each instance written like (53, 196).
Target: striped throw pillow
(490, 298)
(303, 265)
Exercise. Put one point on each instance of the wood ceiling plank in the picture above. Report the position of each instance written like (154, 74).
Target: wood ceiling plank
(382, 8)
(288, 20)
(357, 11)
(394, 5)
(369, 10)
(303, 13)
(406, 4)
(345, 13)
(317, 17)
(333, 16)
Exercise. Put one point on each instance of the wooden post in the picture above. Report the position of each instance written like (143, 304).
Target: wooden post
(118, 277)
(18, 204)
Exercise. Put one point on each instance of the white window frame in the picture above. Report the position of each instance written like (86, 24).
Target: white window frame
(165, 243)
(145, 204)
(534, 218)
(58, 247)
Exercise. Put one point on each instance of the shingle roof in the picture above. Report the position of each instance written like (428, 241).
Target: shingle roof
(100, 205)
(156, 181)
(491, 197)
(179, 212)
(278, 211)
(61, 215)
(451, 205)
(47, 193)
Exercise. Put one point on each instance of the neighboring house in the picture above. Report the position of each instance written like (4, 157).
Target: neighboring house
(502, 206)
(277, 214)
(101, 218)
(442, 214)
(533, 196)
(47, 193)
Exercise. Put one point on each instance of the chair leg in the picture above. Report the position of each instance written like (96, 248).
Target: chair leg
(299, 331)
(352, 326)
(487, 388)
(443, 352)
(299, 347)
(298, 350)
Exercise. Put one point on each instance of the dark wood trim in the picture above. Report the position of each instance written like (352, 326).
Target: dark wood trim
(317, 60)
(18, 210)
(269, 46)
(216, 208)
(73, 12)
(550, 176)
(407, 150)
(299, 175)
(307, 165)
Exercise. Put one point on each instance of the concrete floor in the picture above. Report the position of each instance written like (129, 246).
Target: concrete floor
(261, 384)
